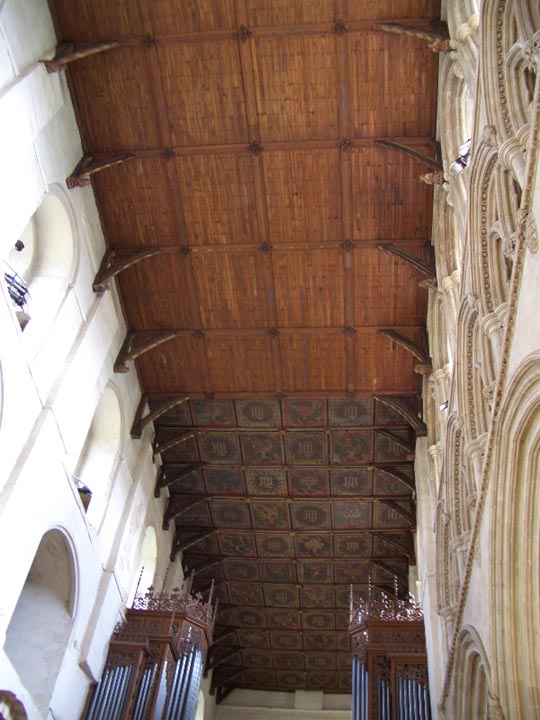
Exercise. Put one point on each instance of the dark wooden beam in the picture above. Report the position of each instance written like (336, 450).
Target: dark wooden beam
(203, 566)
(381, 564)
(393, 505)
(159, 448)
(424, 268)
(88, 166)
(67, 53)
(177, 505)
(398, 404)
(226, 632)
(408, 150)
(140, 421)
(393, 542)
(181, 545)
(215, 661)
(129, 351)
(396, 439)
(394, 472)
(424, 367)
(171, 472)
(222, 692)
(114, 262)
(438, 40)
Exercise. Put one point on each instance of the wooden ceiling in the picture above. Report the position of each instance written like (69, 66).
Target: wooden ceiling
(231, 145)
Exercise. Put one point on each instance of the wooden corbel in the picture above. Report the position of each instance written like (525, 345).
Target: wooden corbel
(182, 545)
(223, 691)
(88, 166)
(393, 505)
(394, 543)
(438, 40)
(178, 504)
(130, 352)
(67, 53)
(407, 150)
(424, 268)
(398, 405)
(203, 566)
(158, 448)
(395, 439)
(114, 262)
(171, 472)
(397, 474)
(141, 421)
(424, 367)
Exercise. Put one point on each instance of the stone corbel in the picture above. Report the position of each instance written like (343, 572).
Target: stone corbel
(512, 158)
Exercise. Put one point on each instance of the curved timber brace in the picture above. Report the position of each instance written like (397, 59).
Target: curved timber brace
(171, 472)
(129, 351)
(67, 53)
(398, 405)
(434, 163)
(427, 269)
(180, 545)
(159, 448)
(114, 261)
(424, 367)
(141, 421)
(178, 504)
(438, 40)
(88, 166)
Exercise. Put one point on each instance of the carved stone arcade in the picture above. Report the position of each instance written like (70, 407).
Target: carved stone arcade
(156, 658)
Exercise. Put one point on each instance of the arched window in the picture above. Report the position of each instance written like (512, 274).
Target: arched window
(38, 266)
(99, 456)
(39, 630)
(146, 567)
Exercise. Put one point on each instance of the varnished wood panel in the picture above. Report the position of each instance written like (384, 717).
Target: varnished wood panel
(376, 274)
(134, 202)
(232, 288)
(390, 200)
(191, 15)
(289, 12)
(309, 287)
(315, 362)
(174, 367)
(388, 9)
(115, 100)
(380, 363)
(402, 106)
(101, 20)
(210, 108)
(160, 294)
(218, 198)
(241, 362)
(303, 195)
(296, 87)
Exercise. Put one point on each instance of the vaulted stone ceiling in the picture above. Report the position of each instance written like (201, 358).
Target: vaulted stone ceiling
(231, 147)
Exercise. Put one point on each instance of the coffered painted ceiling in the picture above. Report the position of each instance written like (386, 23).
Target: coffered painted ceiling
(249, 165)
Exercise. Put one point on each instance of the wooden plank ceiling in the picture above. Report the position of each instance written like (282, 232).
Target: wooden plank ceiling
(253, 170)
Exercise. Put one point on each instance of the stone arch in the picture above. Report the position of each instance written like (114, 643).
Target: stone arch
(470, 398)
(487, 235)
(147, 563)
(40, 627)
(515, 544)
(44, 261)
(11, 708)
(506, 30)
(470, 687)
(100, 454)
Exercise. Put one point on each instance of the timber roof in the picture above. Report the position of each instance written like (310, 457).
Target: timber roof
(250, 167)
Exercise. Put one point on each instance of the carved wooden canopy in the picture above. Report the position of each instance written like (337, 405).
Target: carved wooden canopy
(237, 140)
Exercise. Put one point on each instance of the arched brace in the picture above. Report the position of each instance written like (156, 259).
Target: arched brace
(114, 261)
